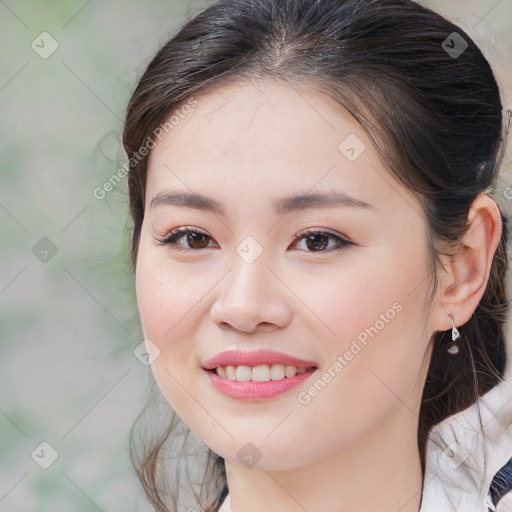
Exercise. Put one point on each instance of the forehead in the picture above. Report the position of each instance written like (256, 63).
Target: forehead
(247, 113)
(265, 136)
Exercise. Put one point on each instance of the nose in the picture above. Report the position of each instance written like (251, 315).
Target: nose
(251, 298)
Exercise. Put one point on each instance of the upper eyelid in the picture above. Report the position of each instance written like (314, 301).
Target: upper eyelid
(182, 230)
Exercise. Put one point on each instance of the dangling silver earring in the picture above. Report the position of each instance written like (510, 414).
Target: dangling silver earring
(454, 349)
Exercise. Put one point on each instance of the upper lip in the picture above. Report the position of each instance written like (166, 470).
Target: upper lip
(255, 358)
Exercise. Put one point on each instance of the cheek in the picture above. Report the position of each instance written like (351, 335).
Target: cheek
(348, 299)
(167, 297)
(371, 323)
(168, 303)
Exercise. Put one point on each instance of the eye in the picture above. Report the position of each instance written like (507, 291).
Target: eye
(195, 239)
(318, 240)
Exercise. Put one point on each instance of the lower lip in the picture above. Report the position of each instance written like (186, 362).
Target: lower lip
(256, 390)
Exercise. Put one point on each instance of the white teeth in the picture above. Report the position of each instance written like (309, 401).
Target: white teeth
(230, 372)
(277, 372)
(243, 373)
(260, 373)
(290, 371)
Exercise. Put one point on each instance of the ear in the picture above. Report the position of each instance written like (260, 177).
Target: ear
(463, 284)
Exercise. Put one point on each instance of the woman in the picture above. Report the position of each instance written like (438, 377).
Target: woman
(319, 263)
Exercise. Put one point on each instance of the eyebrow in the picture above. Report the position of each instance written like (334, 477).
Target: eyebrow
(281, 206)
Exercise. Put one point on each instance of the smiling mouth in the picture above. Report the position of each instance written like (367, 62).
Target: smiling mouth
(260, 373)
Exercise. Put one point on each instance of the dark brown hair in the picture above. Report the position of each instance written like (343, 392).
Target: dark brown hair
(430, 105)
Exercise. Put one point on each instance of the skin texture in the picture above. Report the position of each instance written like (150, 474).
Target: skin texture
(353, 446)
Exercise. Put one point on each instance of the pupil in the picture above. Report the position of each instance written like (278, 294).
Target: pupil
(193, 236)
(313, 237)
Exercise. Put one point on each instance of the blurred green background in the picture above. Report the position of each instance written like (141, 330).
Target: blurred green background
(68, 319)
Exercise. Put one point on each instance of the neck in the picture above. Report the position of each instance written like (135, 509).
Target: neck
(380, 472)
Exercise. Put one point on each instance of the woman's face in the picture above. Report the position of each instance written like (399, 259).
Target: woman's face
(348, 298)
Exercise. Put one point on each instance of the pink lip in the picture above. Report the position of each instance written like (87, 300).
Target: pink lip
(255, 358)
(256, 390)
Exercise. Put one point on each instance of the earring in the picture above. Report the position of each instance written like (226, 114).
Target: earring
(454, 349)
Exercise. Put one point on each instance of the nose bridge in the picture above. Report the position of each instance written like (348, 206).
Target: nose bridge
(251, 297)
(246, 300)
(249, 277)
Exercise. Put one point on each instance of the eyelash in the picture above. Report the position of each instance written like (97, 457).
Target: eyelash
(177, 233)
